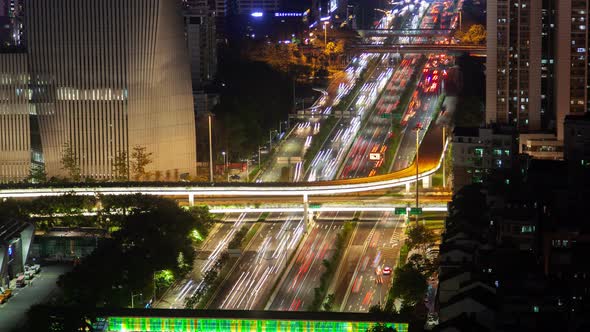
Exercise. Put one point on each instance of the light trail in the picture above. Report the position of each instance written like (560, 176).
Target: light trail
(322, 209)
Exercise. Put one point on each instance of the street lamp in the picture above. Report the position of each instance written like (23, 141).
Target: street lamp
(418, 128)
(270, 139)
(209, 116)
(326, 32)
(133, 296)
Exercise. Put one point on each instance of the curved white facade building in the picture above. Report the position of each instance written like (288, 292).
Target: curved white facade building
(108, 75)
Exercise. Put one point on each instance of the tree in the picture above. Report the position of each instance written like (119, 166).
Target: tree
(139, 160)
(419, 236)
(475, 35)
(69, 162)
(121, 166)
(380, 327)
(423, 264)
(409, 285)
(37, 174)
(329, 302)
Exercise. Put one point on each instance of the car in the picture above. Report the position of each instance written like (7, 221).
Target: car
(3, 298)
(235, 177)
(387, 271)
(36, 268)
(6, 292)
(20, 281)
(29, 273)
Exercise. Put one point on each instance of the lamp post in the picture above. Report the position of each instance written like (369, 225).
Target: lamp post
(444, 159)
(259, 154)
(326, 33)
(418, 127)
(209, 116)
(270, 139)
(133, 296)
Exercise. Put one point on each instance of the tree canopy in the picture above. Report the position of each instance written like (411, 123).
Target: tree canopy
(475, 35)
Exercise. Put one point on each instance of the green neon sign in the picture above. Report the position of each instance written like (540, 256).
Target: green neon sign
(157, 324)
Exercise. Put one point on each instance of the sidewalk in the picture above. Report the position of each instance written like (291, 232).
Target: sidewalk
(12, 313)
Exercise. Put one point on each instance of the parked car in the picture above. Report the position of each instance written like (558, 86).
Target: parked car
(3, 298)
(29, 273)
(6, 292)
(35, 267)
(20, 281)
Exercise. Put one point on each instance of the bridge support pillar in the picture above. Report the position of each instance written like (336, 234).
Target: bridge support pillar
(306, 212)
(191, 199)
(407, 187)
(427, 181)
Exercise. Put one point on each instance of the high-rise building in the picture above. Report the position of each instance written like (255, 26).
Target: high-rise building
(102, 76)
(246, 7)
(513, 68)
(201, 42)
(571, 77)
(537, 63)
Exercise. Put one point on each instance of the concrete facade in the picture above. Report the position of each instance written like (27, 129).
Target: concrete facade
(106, 76)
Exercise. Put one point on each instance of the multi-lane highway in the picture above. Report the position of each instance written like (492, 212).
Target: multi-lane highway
(208, 253)
(286, 164)
(370, 259)
(296, 290)
(249, 285)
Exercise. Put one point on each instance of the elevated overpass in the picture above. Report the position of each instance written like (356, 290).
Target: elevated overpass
(431, 156)
(405, 33)
(479, 50)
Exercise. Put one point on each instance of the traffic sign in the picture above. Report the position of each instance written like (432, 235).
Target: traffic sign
(385, 115)
(415, 211)
(400, 211)
(315, 206)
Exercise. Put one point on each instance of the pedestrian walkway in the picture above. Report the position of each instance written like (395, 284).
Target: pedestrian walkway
(12, 313)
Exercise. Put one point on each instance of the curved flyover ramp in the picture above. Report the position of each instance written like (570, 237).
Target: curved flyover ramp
(431, 156)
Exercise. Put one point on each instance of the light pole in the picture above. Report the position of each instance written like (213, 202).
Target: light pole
(133, 296)
(210, 150)
(444, 159)
(326, 33)
(259, 154)
(270, 139)
(418, 127)
(247, 170)
(225, 164)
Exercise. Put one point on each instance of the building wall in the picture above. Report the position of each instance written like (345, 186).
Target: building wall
(15, 130)
(475, 156)
(514, 63)
(577, 140)
(572, 60)
(202, 46)
(115, 75)
(249, 6)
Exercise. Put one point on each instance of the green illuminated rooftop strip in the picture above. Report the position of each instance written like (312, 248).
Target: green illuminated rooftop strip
(148, 324)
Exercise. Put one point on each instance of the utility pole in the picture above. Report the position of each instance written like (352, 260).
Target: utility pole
(417, 168)
(210, 151)
(444, 161)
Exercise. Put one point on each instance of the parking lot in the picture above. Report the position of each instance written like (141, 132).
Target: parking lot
(12, 313)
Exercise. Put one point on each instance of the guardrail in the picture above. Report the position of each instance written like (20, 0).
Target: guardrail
(432, 152)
